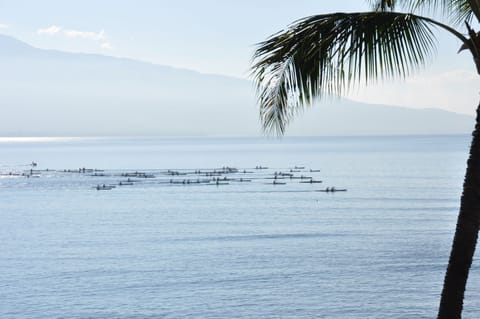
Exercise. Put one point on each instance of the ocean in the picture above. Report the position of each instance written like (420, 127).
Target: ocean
(229, 227)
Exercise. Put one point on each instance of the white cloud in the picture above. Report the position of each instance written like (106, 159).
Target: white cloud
(4, 26)
(96, 36)
(51, 30)
(77, 34)
(106, 46)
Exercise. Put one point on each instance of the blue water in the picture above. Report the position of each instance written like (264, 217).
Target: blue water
(243, 250)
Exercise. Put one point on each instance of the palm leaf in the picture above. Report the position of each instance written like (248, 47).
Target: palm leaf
(327, 54)
(456, 11)
(383, 5)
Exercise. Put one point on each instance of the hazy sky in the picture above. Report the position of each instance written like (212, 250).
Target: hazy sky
(218, 36)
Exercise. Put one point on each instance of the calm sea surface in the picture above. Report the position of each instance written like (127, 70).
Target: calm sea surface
(174, 244)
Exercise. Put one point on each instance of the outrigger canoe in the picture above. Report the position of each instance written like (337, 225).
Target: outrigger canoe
(331, 190)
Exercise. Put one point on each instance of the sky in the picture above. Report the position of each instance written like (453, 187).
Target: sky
(219, 37)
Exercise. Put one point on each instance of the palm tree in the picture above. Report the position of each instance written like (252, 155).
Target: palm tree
(329, 54)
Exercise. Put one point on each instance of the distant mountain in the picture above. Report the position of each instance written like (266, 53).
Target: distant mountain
(51, 93)
(345, 117)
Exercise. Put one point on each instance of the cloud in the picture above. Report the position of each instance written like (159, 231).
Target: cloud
(106, 46)
(51, 30)
(77, 34)
(96, 36)
(4, 26)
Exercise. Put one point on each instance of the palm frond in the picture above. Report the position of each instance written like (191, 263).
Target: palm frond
(382, 5)
(455, 11)
(468, 9)
(327, 54)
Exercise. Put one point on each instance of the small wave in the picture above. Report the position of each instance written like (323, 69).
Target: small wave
(42, 139)
(260, 237)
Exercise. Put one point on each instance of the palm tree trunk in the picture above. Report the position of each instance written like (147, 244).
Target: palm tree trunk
(466, 234)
